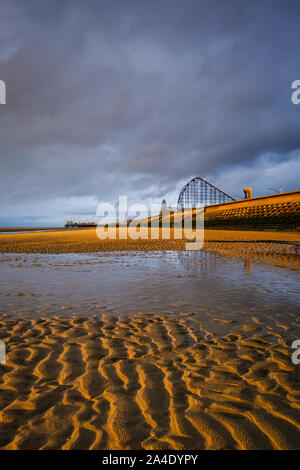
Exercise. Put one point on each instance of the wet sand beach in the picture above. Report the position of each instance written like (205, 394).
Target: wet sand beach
(149, 349)
(146, 382)
(86, 241)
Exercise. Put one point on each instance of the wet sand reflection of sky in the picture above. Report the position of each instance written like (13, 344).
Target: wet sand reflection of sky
(203, 283)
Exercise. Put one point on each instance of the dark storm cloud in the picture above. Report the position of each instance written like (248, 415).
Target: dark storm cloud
(134, 97)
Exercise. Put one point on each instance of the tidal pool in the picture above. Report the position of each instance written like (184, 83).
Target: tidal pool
(220, 291)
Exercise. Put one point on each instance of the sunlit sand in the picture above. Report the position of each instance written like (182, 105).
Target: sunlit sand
(87, 379)
(148, 382)
(86, 240)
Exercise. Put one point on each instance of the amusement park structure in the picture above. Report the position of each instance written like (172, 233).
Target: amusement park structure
(198, 192)
(221, 211)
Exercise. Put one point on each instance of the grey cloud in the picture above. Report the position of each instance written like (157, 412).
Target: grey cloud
(135, 97)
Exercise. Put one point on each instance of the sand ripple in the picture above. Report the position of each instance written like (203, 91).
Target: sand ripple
(145, 381)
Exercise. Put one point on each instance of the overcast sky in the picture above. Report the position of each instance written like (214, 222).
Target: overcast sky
(119, 97)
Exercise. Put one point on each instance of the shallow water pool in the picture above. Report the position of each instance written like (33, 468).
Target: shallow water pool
(219, 290)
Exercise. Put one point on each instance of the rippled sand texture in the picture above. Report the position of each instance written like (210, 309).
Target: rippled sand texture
(147, 381)
(86, 241)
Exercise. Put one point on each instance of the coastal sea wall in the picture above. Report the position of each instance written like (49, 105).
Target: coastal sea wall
(275, 212)
(278, 211)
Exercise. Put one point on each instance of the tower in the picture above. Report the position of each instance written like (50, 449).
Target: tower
(164, 206)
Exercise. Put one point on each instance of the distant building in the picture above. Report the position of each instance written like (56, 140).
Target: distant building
(164, 206)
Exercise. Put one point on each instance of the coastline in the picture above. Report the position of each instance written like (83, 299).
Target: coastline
(99, 380)
(86, 241)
